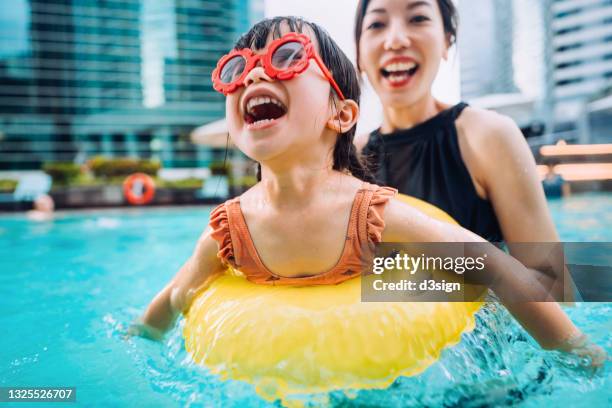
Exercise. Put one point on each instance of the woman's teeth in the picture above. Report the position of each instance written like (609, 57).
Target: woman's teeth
(399, 71)
(400, 66)
(394, 78)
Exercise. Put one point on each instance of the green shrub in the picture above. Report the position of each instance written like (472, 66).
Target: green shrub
(246, 181)
(182, 183)
(220, 168)
(149, 167)
(62, 173)
(7, 185)
(108, 168)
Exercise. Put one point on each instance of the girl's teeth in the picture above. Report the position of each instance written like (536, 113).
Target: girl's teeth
(259, 100)
(262, 122)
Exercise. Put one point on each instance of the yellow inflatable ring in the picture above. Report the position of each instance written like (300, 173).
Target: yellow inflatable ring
(302, 340)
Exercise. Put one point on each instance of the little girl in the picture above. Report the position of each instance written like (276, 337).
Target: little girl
(292, 105)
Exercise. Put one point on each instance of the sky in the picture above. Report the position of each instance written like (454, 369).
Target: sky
(336, 16)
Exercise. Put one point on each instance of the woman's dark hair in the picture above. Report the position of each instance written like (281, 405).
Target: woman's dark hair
(345, 154)
(450, 20)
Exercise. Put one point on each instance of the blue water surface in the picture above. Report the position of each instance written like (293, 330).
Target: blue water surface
(69, 287)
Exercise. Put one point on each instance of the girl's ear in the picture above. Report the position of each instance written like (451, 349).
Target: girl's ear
(344, 115)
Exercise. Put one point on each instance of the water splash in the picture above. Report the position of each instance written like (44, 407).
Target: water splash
(496, 364)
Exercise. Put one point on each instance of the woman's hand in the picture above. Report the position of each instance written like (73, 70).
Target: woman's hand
(527, 300)
(580, 345)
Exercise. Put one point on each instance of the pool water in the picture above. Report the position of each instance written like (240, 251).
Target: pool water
(69, 287)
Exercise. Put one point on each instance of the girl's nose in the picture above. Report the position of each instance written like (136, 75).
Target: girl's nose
(397, 38)
(256, 75)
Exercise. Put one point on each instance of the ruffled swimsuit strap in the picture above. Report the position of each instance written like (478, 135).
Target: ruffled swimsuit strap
(371, 222)
(366, 227)
(223, 226)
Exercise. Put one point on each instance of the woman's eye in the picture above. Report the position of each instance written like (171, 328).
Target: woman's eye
(419, 19)
(375, 25)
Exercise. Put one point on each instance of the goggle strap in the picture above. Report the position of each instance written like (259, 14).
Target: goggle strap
(329, 76)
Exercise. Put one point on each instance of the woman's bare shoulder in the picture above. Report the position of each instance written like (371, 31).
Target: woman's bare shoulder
(479, 124)
(488, 135)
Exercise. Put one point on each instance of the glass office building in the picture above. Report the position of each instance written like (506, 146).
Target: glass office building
(582, 41)
(80, 78)
(553, 55)
(485, 42)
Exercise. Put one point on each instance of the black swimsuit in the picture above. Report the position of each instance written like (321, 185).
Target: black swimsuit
(425, 162)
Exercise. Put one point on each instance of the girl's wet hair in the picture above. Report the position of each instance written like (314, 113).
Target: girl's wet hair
(450, 20)
(345, 154)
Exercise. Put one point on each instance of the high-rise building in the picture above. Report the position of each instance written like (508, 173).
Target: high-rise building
(485, 42)
(582, 48)
(115, 77)
(543, 62)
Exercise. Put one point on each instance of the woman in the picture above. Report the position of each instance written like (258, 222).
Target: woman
(472, 163)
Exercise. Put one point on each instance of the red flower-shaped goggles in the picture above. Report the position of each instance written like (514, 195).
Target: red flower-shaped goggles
(286, 57)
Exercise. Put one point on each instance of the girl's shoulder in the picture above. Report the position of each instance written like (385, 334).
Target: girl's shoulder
(220, 215)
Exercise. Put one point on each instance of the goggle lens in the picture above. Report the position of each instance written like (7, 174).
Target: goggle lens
(288, 55)
(232, 69)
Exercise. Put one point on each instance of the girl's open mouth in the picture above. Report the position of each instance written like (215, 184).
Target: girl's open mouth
(263, 111)
(399, 73)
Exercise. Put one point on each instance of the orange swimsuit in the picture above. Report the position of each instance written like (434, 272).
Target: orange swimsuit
(366, 224)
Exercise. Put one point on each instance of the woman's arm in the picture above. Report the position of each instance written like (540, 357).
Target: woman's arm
(199, 270)
(503, 165)
(509, 279)
(504, 172)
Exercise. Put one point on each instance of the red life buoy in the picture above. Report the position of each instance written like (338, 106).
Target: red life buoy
(139, 189)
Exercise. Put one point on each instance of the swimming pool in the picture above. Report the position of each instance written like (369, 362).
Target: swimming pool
(68, 287)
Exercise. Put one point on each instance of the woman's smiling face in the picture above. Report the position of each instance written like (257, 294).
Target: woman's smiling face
(401, 45)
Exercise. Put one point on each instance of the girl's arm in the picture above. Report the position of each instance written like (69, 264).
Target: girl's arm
(508, 278)
(199, 270)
